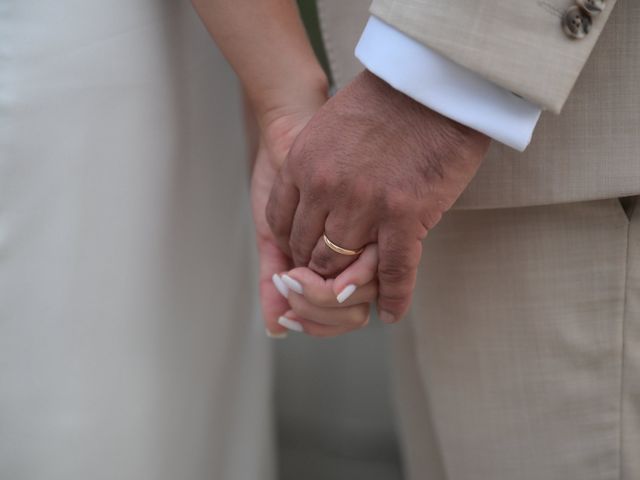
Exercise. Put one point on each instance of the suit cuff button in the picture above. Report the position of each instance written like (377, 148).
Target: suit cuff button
(576, 22)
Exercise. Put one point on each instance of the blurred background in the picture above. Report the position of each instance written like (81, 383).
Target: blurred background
(335, 417)
(334, 410)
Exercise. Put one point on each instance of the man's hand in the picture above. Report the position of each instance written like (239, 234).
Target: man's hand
(306, 301)
(372, 166)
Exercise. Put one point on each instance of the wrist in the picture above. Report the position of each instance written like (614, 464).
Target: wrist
(284, 111)
(304, 89)
(403, 105)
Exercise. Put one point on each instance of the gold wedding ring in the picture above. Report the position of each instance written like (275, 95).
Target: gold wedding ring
(340, 250)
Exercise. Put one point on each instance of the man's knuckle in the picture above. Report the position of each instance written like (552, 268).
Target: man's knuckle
(358, 190)
(322, 269)
(320, 183)
(321, 259)
(398, 204)
(394, 297)
(299, 261)
(394, 271)
(394, 257)
(297, 250)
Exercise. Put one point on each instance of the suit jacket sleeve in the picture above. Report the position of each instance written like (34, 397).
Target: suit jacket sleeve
(518, 44)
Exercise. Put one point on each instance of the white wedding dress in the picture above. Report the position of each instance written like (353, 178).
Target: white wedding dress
(130, 347)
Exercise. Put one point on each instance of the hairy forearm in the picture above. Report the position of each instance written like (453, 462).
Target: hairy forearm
(266, 44)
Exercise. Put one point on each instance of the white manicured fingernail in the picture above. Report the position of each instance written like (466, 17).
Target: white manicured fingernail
(290, 324)
(276, 336)
(280, 286)
(292, 283)
(346, 293)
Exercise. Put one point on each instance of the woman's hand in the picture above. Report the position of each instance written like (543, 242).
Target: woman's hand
(277, 128)
(327, 308)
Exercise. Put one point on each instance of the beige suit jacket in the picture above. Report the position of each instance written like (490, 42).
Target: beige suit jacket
(586, 146)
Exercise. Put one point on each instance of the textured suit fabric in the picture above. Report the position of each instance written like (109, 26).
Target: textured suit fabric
(130, 344)
(590, 151)
(521, 358)
(518, 45)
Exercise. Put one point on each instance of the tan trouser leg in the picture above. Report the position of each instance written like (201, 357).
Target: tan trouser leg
(522, 356)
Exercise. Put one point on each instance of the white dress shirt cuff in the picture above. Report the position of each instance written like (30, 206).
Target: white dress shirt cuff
(446, 87)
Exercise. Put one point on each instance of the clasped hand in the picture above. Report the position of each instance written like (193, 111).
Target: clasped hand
(372, 168)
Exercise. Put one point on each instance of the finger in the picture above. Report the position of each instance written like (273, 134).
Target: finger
(320, 292)
(272, 302)
(400, 253)
(355, 315)
(298, 324)
(308, 226)
(347, 232)
(361, 272)
(281, 209)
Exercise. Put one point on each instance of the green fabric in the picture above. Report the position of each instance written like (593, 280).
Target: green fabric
(309, 14)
